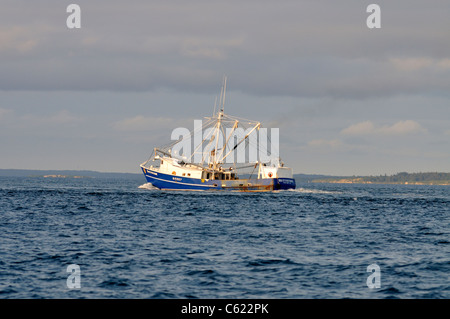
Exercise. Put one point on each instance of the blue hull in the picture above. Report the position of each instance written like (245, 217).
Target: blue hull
(166, 181)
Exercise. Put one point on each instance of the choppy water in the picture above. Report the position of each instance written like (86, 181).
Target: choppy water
(131, 241)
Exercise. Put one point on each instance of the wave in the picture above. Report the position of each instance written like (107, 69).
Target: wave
(298, 190)
(147, 186)
(313, 191)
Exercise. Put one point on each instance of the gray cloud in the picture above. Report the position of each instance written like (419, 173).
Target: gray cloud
(311, 68)
(293, 48)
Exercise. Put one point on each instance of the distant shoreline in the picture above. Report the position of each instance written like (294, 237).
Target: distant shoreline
(403, 178)
(66, 174)
(430, 178)
(344, 181)
(433, 178)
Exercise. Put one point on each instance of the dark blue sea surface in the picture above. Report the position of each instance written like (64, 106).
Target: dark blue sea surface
(132, 241)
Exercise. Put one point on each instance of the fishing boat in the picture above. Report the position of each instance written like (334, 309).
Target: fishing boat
(220, 160)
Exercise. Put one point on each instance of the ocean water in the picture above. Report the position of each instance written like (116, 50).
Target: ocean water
(132, 241)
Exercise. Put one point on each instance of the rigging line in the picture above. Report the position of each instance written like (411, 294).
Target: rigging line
(205, 125)
(191, 133)
(148, 160)
(245, 137)
(256, 164)
(207, 153)
(199, 145)
(217, 142)
(252, 122)
(246, 166)
(223, 146)
(208, 122)
(236, 123)
(272, 147)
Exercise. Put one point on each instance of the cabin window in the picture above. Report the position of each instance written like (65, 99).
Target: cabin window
(184, 174)
(189, 174)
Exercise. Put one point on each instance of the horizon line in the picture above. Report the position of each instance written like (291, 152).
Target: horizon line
(138, 173)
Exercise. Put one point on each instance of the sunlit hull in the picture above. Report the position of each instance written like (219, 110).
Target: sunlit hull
(170, 182)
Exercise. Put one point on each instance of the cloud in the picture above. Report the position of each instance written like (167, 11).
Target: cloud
(4, 113)
(35, 124)
(209, 47)
(419, 63)
(16, 39)
(63, 117)
(411, 64)
(402, 128)
(299, 48)
(399, 128)
(144, 123)
(444, 63)
(362, 128)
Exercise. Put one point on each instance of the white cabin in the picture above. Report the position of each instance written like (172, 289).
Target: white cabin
(274, 172)
(177, 167)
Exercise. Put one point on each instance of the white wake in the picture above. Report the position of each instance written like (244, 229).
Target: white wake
(313, 191)
(147, 186)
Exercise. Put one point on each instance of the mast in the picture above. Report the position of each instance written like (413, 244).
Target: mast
(221, 158)
(224, 91)
(215, 152)
(219, 123)
(215, 103)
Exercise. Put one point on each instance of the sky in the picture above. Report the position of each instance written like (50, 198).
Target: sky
(347, 99)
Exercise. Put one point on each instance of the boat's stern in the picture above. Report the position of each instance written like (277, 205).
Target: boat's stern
(284, 183)
(283, 177)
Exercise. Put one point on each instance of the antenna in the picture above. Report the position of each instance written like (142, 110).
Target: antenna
(215, 102)
(224, 90)
(221, 99)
